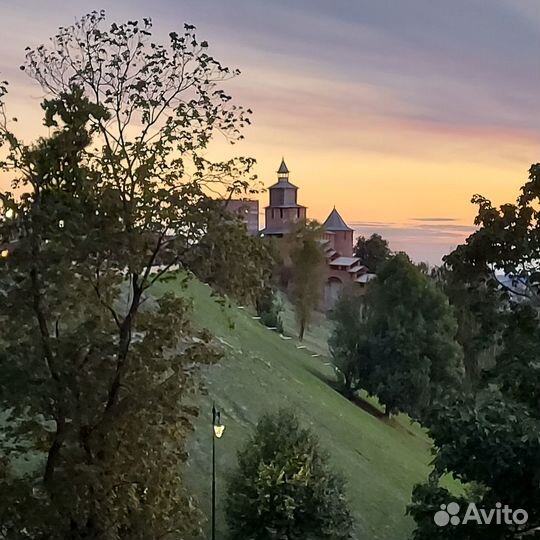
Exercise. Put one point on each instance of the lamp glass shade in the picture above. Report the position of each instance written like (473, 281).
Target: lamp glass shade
(4, 253)
(218, 430)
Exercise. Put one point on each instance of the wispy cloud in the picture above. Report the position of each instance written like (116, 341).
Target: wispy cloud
(388, 109)
(434, 219)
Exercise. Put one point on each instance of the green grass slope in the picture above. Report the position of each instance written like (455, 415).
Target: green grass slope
(262, 372)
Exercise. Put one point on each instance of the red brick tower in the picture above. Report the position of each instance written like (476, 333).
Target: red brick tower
(339, 234)
(283, 210)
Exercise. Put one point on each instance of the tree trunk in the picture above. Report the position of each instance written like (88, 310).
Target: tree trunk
(124, 342)
(348, 385)
(302, 330)
(54, 451)
(387, 411)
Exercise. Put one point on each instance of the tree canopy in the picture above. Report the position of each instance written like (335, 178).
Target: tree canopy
(96, 373)
(489, 439)
(506, 245)
(372, 251)
(231, 260)
(284, 487)
(407, 353)
(477, 307)
(307, 272)
(347, 339)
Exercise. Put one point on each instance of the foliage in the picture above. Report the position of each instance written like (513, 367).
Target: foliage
(347, 338)
(409, 352)
(87, 357)
(508, 241)
(494, 442)
(269, 309)
(307, 272)
(372, 251)
(231, 260)
(492, 438)
(517, 368)
(479, 310)
(427, 499)
(284, 488)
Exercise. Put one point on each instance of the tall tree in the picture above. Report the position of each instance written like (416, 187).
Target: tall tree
(505, 251)
(497, 265)
(478, 309)
(409, 354)
(372, 251)
(87, 357)
(231, 260)
(284, 487)
(491, 438)
(307, 272)
(348, 338)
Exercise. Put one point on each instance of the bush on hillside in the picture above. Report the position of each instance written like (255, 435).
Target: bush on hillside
(284, 487)
(269, 309)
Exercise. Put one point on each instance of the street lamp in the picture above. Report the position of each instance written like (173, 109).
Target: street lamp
(217, 432)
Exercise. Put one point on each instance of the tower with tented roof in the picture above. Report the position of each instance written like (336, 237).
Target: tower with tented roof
(336, 239)
(339, 233)
(283, 209)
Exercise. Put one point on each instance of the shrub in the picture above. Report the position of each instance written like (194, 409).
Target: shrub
(269, 309)
(284, 487)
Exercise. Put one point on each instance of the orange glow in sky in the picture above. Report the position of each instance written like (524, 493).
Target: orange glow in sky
(395, 116)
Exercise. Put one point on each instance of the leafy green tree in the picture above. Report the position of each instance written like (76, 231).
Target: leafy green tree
(229, 259)
(348, 338)
(409, 354)
(497, 265)
(95, 373)
(517, 368)
(372, 251)
(491, 438)
(284, 487)
(478, 309)
(490, 441)
(269, 308)
(507, 244)
(307, 272)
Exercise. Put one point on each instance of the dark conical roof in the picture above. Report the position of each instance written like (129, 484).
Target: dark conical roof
(283, 167)
(334, 222)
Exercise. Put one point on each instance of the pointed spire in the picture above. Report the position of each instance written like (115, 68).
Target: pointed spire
(334, 222)
(283, 167)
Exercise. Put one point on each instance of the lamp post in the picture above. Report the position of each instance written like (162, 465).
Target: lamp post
(217, 432)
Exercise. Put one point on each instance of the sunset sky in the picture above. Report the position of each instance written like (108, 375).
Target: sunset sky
(395, 111)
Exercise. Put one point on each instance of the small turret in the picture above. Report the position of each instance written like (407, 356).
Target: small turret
(283, 171)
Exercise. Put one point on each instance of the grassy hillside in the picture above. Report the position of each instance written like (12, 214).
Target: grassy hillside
(261, 372)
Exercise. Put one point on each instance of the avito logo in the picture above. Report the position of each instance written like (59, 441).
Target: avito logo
(500, 515)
